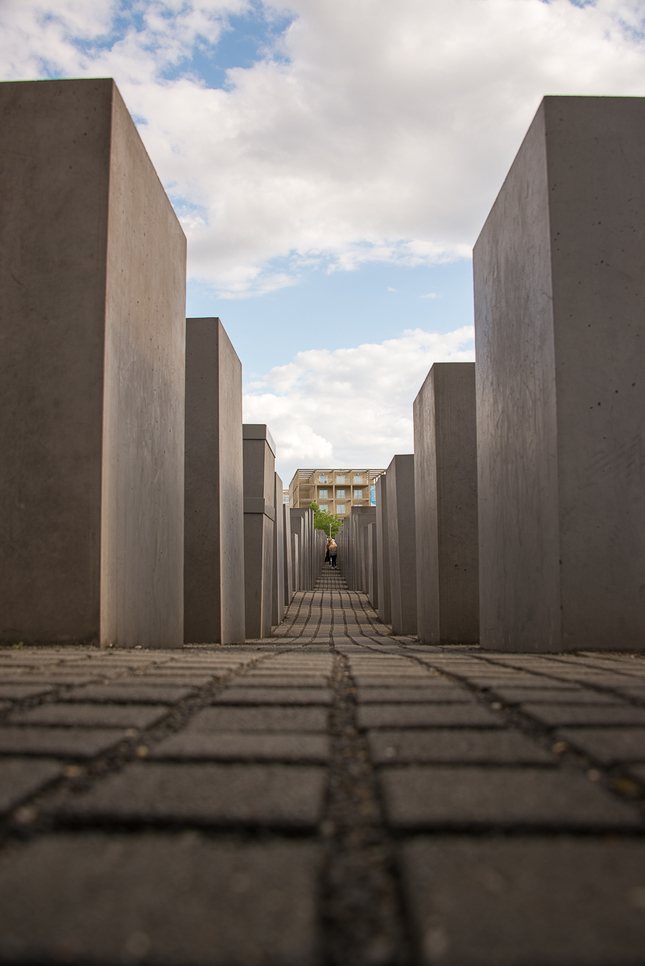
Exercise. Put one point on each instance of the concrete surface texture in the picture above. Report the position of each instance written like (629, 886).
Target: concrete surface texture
(560, 340)
(92, 276)
(259, 523)
(332, 795)
(402, 544)
(214, 511)
(278, 601)
(445, 493)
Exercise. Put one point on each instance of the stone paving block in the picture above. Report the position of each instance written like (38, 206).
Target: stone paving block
(302, 696)
(243, 746)
(54, 680)
(280, 681)
(608, 745)
(160, 899)
(91, 715)
(269, 718)
(563, 714)
(396, 680)
(178, 679)
(552, 902)
(20, 777)
(424, 716)
(553, 695)
(131, 694)
(60, 742)
(637, 692)
(457, 797)
(17, 692)
(404, 695)
(458, 745)
(206, 794)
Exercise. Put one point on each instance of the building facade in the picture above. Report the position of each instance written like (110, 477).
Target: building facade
(335, 491)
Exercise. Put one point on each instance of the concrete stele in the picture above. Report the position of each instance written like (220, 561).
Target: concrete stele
(277, 615)
(92, 353)
(402, 544)
(560, 337)
(384, 604)
(259, 522)
(445, 492)
(214, 511)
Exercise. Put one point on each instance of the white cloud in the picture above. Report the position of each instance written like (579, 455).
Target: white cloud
(382, 133)
(361, 398)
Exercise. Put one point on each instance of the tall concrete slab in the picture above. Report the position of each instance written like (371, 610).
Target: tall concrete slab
(277, 615)
(373, 559)
(445, 493)
(214, 499)
(259, 522)
(355, 550)
(402, 544)
(384, 599)
(303, 520)
(560, 337)
(288, 555)
(92, 353)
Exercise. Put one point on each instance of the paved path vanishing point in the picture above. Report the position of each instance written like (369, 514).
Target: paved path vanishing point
(333, 795)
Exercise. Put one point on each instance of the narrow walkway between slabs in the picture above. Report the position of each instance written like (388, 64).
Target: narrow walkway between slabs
(333, 796)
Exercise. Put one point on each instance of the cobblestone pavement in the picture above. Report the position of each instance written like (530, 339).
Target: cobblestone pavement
(333, 795)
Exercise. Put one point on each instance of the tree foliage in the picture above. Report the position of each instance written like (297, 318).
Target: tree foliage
(323, 520)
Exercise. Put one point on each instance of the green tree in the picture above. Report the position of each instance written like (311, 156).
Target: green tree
(327, 522)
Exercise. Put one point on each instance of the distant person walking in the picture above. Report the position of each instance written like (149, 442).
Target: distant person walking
(333, 551)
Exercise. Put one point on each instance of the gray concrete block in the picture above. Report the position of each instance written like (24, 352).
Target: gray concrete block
(162, 899)
(21, 777)
(303, 696)
(289, 588)
(556, 715)
(278, 603)
(243, 746)
(550, 695)
(426, 716)
(259, 523)
(265, 718)
(58, 742)
(608, 745)
(560, 340)
(548, 901)
(384, 601)
(92, 374)
(17, 692)
(412, 695)
(402, 544)
(452, 796)
(91, 715)
(445, 493)
(457, 746)
(211, 794)
(130, 694)
(214, 498)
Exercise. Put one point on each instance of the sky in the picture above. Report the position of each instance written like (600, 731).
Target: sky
(332, 163)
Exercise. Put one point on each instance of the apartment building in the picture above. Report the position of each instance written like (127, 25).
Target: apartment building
(336, 491)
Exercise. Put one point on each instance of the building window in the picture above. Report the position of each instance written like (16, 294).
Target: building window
(340, 494)
(324, 494)
(324, 507)
(358, 494)
(358, 479)
(340, 479)
(340, 508)
(323, 479)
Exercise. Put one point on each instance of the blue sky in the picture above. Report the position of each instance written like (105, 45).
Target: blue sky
(332, 164)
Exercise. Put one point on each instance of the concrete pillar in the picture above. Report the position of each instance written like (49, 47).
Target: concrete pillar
(372, 565)
(214, 511)
(402, 544)
(384, 605)
(288, 555)
(445, 492)
(277, 615)
(360, 517)
(259, 522)
(560, 335)
(92, 353)
(306, 533)
(295, 551)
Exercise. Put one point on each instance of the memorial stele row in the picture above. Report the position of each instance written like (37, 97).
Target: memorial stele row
(137, 509)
